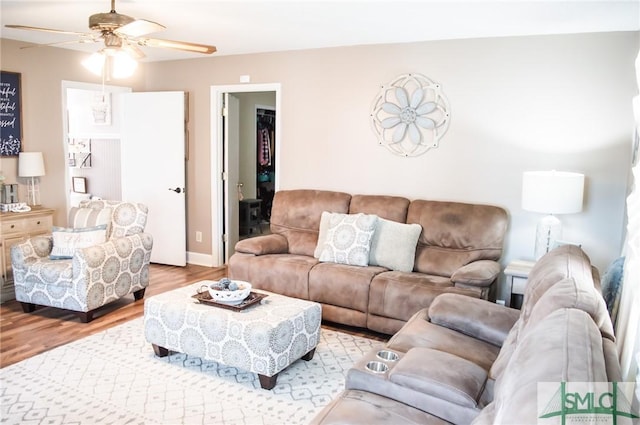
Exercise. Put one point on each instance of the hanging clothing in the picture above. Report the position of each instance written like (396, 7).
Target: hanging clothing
(264, 147)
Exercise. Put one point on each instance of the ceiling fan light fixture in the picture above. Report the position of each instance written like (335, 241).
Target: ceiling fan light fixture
(122, 64)
(95, 63)
(112, 62)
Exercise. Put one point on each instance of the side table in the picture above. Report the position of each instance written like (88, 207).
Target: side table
(517, 274)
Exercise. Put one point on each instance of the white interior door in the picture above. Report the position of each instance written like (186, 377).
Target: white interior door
(231, 117)
(153, 168)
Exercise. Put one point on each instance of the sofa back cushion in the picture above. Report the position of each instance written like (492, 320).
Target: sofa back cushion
(127, 218)
(455, 234)
(295, 214)
(392, 208)
(567, 293)
(567, 261)
(564, 346)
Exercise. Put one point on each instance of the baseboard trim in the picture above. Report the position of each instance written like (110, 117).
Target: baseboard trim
(200, 259)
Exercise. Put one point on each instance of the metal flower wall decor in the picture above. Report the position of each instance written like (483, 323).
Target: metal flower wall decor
(410, 115)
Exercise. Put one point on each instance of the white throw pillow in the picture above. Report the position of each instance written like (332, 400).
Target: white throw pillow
(322, 232)
(394, 245)
(67, 240)
(348, 239)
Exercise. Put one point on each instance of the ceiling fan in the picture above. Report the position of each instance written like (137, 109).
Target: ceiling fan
(122, 32)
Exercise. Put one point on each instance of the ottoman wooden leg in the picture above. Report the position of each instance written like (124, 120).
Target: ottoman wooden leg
(160, 351)
(309, 355)
(268, 382)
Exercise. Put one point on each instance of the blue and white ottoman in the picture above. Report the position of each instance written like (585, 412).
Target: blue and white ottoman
(263, 339)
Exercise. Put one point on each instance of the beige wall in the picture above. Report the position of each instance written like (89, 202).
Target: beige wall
(520, 103)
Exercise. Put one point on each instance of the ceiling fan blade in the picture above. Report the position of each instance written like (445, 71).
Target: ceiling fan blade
(61, 43)
(178, 45)
(139, 27)
(26, 27)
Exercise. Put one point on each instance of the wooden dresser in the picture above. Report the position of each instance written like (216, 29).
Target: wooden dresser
(14, 227)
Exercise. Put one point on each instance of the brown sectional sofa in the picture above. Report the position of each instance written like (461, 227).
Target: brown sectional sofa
(465, 360)
(457, 252)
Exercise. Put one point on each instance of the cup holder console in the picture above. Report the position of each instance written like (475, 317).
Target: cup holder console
(387, 355)
(377, 367)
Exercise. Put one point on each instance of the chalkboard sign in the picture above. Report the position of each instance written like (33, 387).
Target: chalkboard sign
(10, 114)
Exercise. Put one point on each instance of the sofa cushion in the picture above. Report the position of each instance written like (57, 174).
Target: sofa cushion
(455, 234)
(128, 218)
(392, 208)
(440, 374)
(475, 317)
(295, 214)
(567, 293)
(419, 332)
(343, 286)
(394, 245)
(357, 407)
(348, 239)
(570, 345)
(90, 217)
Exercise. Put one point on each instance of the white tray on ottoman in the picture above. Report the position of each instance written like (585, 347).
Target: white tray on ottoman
(263, 339)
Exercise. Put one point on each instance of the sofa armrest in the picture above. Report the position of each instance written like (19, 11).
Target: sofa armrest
(478, 318)
(261, 245)
(33, 248)
(479, 273)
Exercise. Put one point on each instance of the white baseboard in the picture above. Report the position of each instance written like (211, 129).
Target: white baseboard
(200, 259)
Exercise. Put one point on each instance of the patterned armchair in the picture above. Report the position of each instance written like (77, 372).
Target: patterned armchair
(95, 275)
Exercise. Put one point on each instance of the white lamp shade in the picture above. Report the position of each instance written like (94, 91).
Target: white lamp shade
(30, 164)
(552, 192)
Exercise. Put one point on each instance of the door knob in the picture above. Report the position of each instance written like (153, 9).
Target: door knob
(176, 190)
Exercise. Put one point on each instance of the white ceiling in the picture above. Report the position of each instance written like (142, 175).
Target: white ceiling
(238, 27)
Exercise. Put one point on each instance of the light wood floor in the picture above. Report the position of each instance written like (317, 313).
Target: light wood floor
(23, 335)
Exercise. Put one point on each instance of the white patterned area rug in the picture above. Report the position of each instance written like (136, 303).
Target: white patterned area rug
(113, 377)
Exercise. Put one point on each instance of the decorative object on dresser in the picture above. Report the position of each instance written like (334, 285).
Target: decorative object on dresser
(81, 276)
(551, 192)
(31, 164)
(15, 228)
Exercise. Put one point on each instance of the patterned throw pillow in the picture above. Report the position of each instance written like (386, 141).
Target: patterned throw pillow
(349, 239)
(67, 240)
(394, 245)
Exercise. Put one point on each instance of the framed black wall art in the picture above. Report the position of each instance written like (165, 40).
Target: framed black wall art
(10, 114)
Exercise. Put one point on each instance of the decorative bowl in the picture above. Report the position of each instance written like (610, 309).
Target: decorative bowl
(227, 296)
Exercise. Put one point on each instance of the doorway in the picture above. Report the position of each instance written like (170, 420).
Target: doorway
(235, 169)
(106, 153)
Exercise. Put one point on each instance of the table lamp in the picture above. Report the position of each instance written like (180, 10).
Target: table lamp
(551, 192)
(31, 164)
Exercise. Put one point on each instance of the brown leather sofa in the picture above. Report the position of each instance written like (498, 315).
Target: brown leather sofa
(457, 252)
(466, 360)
